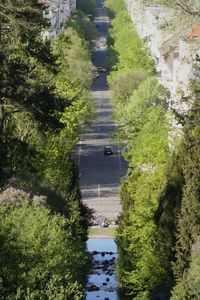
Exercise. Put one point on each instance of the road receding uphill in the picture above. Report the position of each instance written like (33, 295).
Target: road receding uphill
(100, 174)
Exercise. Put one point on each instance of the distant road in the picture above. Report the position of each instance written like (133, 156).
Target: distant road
(100, 175)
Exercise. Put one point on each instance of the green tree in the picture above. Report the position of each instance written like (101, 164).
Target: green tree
(87, 6)
(189, 286)
(124, 84)
(45, 258)
(132, 116)
(83, 25)
(26, 85)
(44, 103)
(125, 35)
(188, 223)
(140, 111)
(142, 267)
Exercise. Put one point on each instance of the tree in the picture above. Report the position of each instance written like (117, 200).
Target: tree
(87, 6)
(124, 84)
(140, 112)
(189, 218)
(44, 103)
(189, 286)
(83, 25)
(25, 91)
(118, 35)
(132, 116)
(45, 258)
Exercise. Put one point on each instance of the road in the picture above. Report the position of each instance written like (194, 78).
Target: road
(100, 175)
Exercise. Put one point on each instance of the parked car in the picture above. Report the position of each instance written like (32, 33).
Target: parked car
(108, 150)
(100, 69)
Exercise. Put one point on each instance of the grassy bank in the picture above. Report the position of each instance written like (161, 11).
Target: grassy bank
(108, 232)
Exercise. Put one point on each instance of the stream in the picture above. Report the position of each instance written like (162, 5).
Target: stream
(102, 284)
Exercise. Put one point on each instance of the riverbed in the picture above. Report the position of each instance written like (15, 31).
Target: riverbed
(102, 283)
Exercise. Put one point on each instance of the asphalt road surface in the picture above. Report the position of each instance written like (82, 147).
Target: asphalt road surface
(100, 175)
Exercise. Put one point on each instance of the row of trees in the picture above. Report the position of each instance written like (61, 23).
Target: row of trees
(158, 233)
(87, 6)
(45, 100)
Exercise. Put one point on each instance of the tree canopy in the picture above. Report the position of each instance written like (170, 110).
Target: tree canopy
(45, 102)
(158, 235)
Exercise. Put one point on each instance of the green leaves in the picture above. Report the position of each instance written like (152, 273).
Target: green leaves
(160, 221)
(189, 218)
(140, 111)
(87, 6)
(132, 116)
(45, 103)
(83, 25)
(41, 252)
(123, 51)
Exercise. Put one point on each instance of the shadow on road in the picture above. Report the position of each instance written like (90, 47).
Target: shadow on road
(100, 175)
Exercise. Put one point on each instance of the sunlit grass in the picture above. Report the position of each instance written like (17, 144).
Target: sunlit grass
(102, 232)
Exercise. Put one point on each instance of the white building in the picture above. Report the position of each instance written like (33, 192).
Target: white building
(174, 57)
(57, 12)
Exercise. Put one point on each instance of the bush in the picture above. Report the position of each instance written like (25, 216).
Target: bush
(42, 252)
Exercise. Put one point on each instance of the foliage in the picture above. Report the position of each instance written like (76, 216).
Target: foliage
(189, 286)
(113, 7)
(83, 25)
(140, 112)
(166, 215)
(74, 59)
(188, 220)
(23, 70)
(45, 101)
(37, 87)
(125, 35)
(124, 84)
(88, 7)
(145, 270)
(44, 258)
(132, 116)
(158, 234)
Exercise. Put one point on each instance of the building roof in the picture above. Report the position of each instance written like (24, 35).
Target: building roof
(195, 33)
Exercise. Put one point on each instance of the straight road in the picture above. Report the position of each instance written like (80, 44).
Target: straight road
(100, 175)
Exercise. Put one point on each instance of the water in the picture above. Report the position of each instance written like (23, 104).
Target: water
(102, 284)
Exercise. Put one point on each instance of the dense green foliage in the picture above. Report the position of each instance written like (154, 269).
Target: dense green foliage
(140, 112)
(159, 230)
(87, 6)
(186, 266)
(40, 256)
(83, 25)
(119, 53)
(45, 101)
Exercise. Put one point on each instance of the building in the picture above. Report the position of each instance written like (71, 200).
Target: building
(57, 12)
(174, 56)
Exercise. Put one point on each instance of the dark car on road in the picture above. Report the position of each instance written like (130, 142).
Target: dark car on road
(108, 150)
